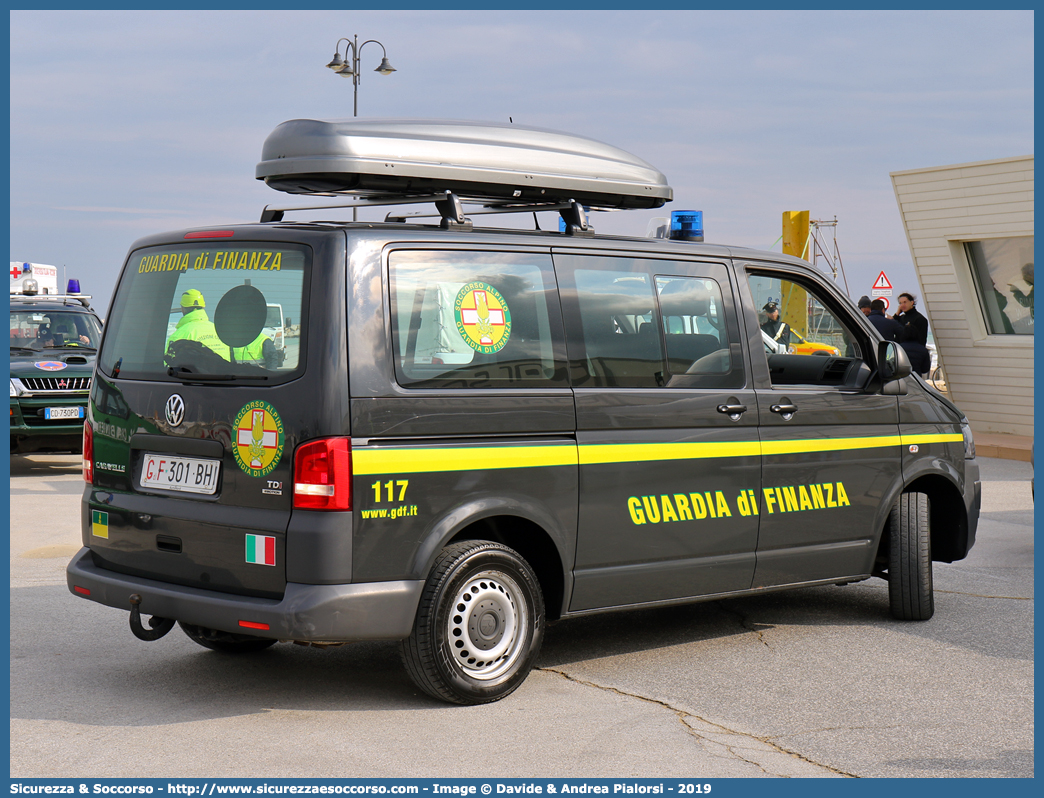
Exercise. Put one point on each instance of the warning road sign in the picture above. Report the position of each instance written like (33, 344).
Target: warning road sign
(882, 282)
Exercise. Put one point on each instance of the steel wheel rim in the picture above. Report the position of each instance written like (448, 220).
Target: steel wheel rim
(486, 626)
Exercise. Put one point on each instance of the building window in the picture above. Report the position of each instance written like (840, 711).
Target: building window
(1003, 272)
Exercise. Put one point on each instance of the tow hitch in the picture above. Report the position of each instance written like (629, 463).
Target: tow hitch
(158, 626)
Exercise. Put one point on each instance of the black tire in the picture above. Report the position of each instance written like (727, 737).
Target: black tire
(226, 642)
(479, 625)
(910, 559)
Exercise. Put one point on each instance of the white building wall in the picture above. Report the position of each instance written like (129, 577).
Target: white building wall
(990, 377)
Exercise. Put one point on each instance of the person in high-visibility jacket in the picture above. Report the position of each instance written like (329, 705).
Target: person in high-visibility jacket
(195, 325)
(261, 351)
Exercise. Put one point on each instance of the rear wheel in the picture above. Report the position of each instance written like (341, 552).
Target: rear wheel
(479, 625)
(228, 642)
(910, 559)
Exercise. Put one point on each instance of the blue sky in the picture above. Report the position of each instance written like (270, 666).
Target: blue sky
(125, 123)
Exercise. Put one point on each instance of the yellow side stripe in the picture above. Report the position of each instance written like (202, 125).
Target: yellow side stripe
(477, 458)
(829, 444)
(474, 458)
(595, 453)
(949, 438)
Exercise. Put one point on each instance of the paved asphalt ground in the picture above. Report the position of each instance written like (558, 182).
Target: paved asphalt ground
(818, 682)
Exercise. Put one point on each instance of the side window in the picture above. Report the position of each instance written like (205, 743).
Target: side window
(632, 326)
(622, 346)
(475, 320)
(696, 334)
(805, 341)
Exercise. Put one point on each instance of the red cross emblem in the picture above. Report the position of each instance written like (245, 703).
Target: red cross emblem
(16, 272)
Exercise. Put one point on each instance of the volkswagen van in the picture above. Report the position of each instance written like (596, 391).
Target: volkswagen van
(476, 430)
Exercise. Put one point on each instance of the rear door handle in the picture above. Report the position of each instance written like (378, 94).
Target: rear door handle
(787, 411)
(731, 410)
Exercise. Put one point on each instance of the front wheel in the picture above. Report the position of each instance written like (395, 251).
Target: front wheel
(479, 625)
(910, 559)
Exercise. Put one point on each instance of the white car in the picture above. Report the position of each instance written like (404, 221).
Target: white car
(274, 326)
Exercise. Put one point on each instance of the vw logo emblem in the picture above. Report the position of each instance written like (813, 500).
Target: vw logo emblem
(175, 410)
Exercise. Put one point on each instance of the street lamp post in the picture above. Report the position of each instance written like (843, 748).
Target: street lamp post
(348, 67)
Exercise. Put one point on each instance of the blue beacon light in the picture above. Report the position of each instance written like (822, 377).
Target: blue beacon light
(687, 225)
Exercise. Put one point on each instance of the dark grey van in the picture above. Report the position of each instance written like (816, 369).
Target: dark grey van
(469, 432)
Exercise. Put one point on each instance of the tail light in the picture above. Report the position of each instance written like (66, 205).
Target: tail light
(323, 475)
(88, 453)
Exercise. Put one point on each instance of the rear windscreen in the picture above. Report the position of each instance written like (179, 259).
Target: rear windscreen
(221, 311)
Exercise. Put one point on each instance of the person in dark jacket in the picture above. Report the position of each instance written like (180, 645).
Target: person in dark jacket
(890, 329)
(864, 304)
(778, 331)
(914, 336)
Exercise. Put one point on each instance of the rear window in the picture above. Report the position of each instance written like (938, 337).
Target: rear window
(209, 309)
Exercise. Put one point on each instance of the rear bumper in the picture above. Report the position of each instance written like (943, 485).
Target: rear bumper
(318, 613)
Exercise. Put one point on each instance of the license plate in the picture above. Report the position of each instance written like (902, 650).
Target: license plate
(186, 474)
(52, 413)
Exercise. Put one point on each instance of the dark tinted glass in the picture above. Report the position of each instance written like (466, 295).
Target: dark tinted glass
(209, 309)
(475, 320)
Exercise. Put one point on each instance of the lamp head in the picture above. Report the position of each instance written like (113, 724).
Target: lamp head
(385, 68)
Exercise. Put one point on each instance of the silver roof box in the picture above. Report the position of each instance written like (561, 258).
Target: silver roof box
(485, 160)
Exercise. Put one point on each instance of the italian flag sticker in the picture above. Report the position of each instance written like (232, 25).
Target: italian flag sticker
(260, 549)
(99, 524)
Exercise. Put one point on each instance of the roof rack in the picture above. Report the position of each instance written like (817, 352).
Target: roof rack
(65, 299)
(450, 209)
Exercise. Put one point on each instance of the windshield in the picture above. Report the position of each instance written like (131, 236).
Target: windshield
(205, 309)
(37, 329)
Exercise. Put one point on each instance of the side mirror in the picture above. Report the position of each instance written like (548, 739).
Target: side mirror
(892, 363)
